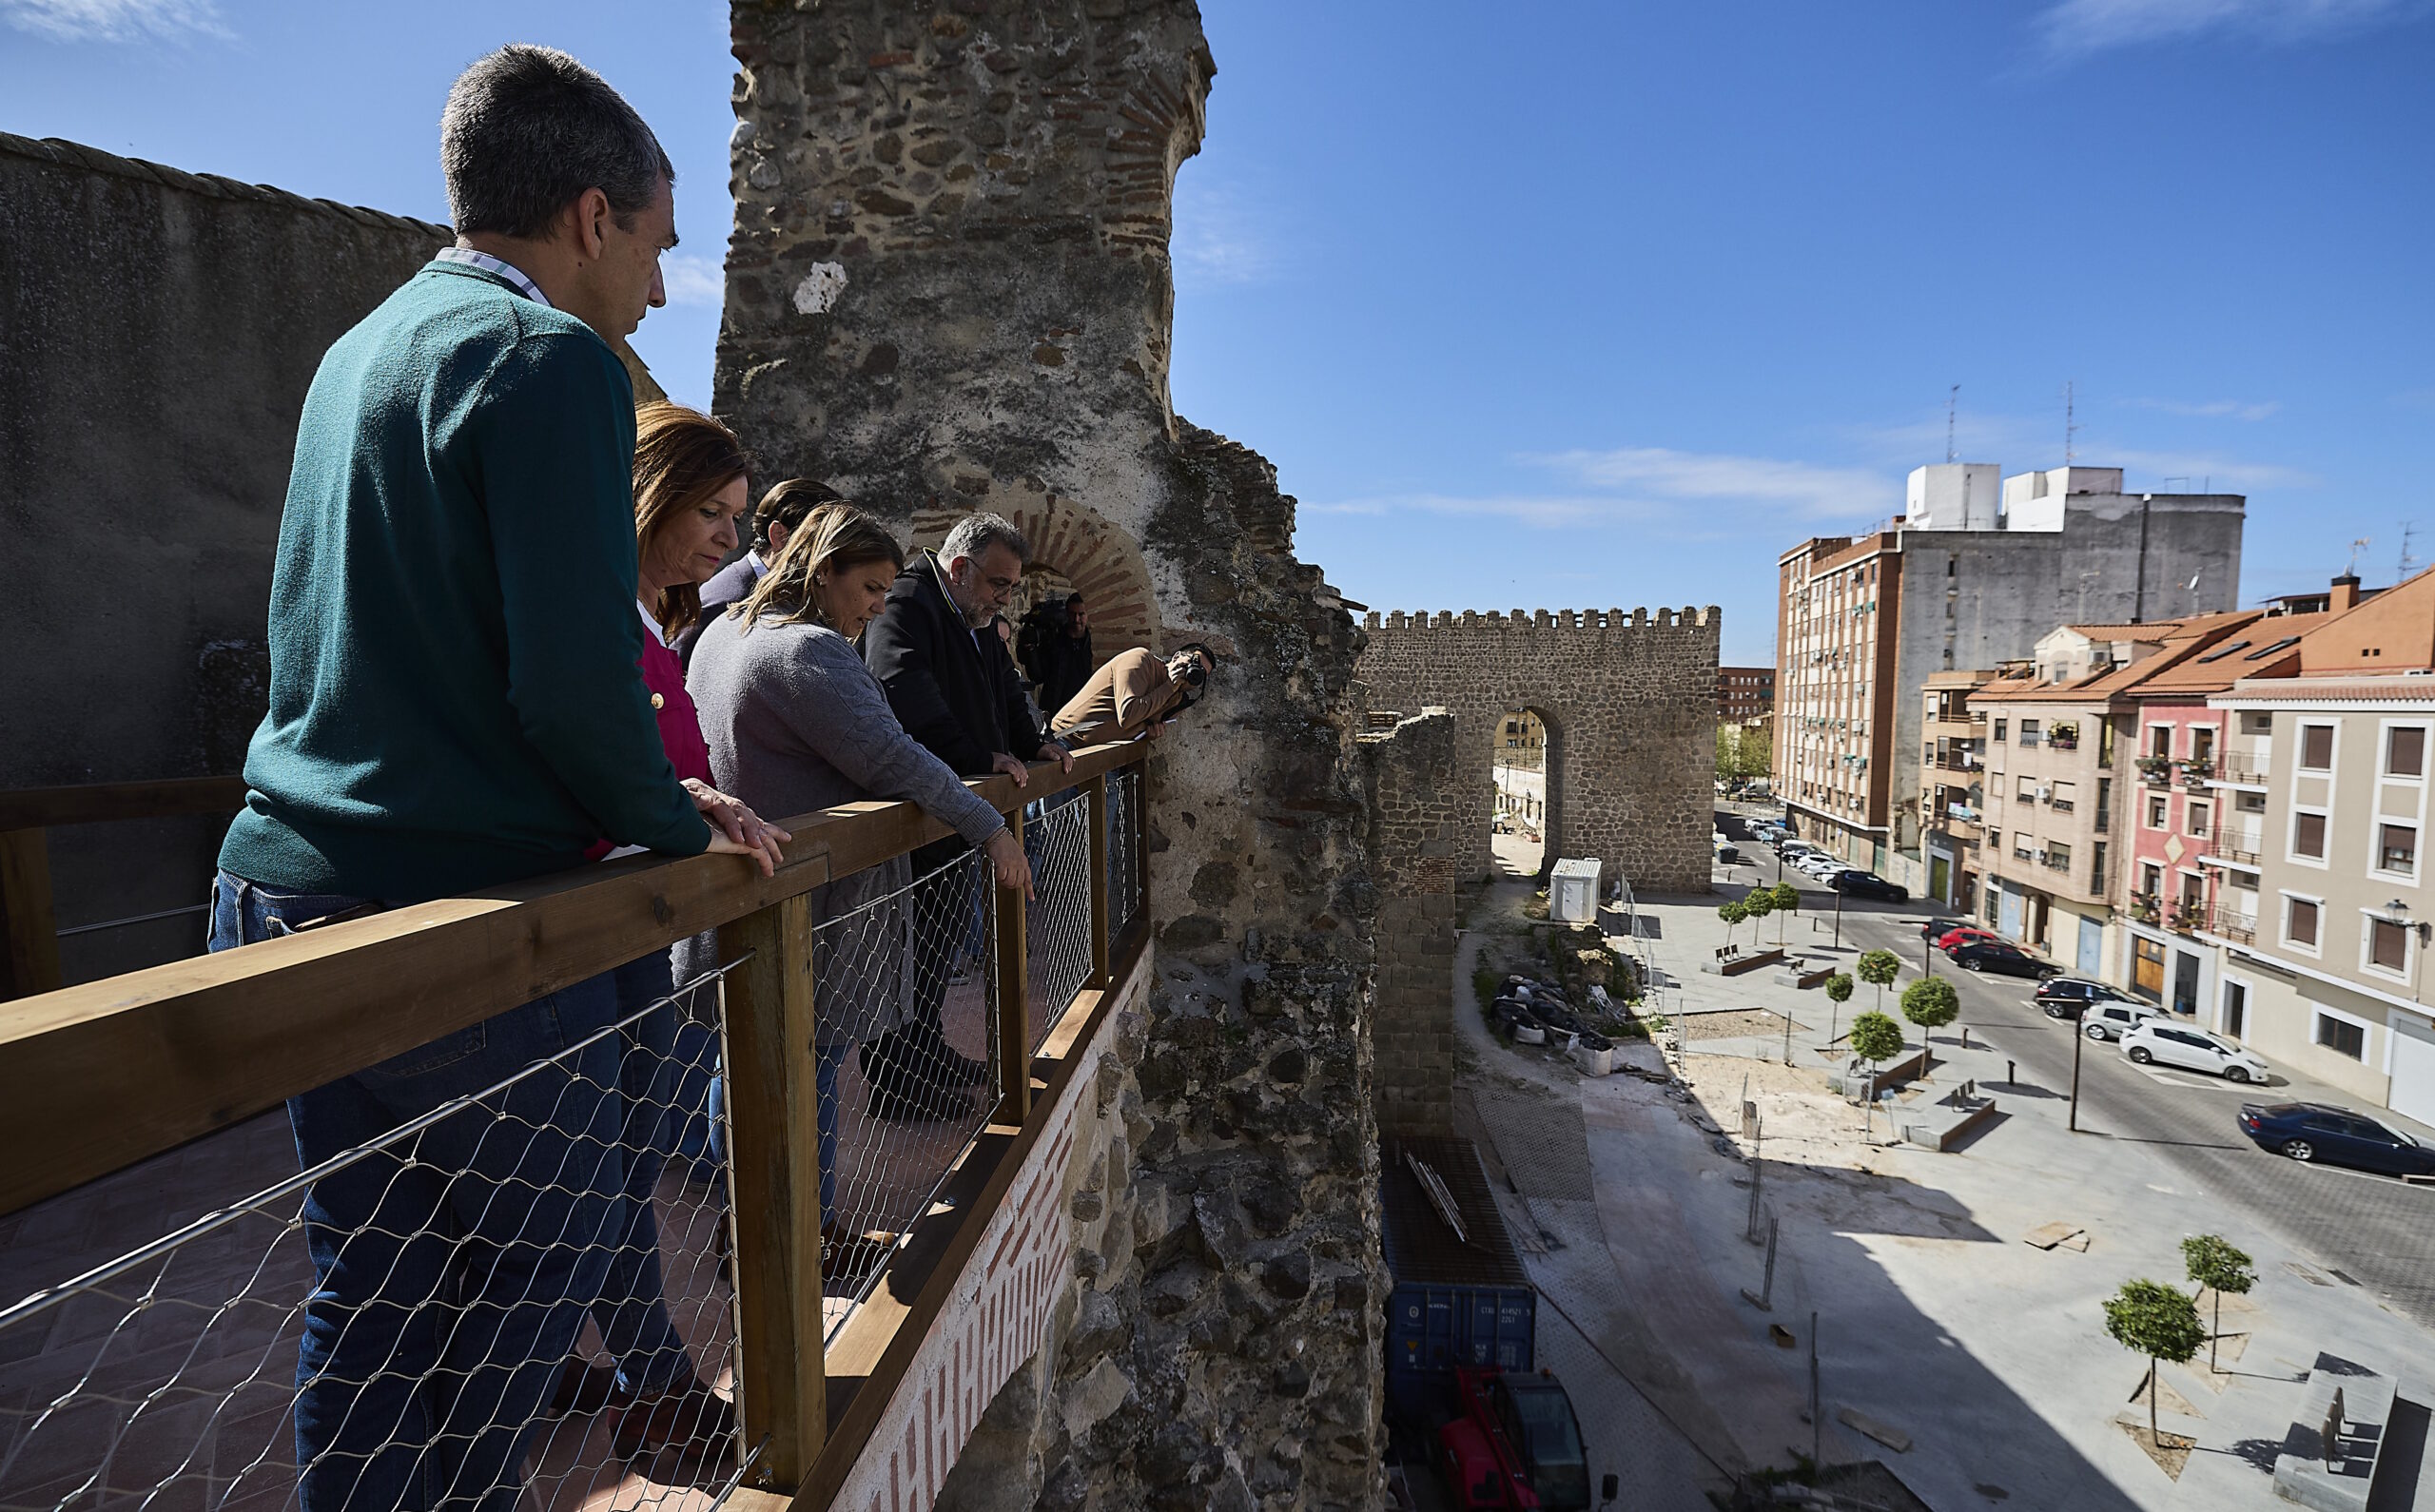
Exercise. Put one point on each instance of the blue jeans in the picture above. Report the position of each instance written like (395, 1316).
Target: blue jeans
(632, 1307)
(452, 1268)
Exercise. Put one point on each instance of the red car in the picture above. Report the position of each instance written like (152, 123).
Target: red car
(1964, 935)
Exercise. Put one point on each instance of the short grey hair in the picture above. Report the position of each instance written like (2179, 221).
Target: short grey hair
(528, 131)
(975, 533)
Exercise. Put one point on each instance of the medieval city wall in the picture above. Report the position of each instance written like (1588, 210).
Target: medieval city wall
(1418, 824)
(949, 290)
(1630, 702)
(162, 327)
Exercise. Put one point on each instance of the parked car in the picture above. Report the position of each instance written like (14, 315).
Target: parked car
(1820, 867)
(2001, 957)
(2111, 1020)
(2067, 996)
(1953, 940)
(2153, 1041)
(1868, 885)
(2315, 1130)
(1935, 929)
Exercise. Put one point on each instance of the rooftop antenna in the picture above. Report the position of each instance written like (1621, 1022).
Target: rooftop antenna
(2408, 562)
(1952, 402)
(2192, 591)
(2351, 566)
(2070, 427)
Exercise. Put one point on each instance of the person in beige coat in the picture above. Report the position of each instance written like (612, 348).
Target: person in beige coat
(1135, 690)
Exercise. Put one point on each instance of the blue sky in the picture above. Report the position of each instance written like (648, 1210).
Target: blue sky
(1592, 305)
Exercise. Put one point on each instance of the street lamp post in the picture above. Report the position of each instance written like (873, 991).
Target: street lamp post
(2079, 1040)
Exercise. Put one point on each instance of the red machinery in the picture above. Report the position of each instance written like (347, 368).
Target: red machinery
(1515, 1445)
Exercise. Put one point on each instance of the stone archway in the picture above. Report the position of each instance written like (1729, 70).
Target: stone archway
(1073, 549)
(1629, 706)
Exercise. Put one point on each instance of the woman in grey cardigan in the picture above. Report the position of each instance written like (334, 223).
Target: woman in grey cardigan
(795, 721)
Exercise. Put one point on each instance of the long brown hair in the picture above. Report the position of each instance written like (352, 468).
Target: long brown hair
(682, 458)
(831, 539)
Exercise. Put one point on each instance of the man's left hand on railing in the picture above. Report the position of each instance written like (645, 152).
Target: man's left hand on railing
(736, 831)
(1051, 751)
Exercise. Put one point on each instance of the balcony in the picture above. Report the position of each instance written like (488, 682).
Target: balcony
(2239, 770)
(2156, 770)
(2241, 929)
(2188, 916)
(849, 1284)
(2237, 848)
(2144, 908)
(2055, 862)
(2196, 772)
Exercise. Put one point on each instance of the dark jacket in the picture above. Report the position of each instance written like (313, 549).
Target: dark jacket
(726, 589)
(1064, 664)
(955, 693)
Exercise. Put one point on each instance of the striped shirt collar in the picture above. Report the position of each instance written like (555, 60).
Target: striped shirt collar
(499, 266)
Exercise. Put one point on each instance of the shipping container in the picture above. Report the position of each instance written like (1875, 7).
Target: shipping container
(1461, 1297)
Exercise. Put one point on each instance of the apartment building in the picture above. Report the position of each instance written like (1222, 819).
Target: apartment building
(1838, 600)
(1953, 771)
(1976, 569)
(2334, 737)
(1744, 695)
(2197, 814)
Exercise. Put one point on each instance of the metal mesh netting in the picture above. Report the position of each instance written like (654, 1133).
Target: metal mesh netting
(906, 1053)
(1056, 922)
(169, 1377)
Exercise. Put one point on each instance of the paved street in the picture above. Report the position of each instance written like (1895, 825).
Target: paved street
(2369, 1230)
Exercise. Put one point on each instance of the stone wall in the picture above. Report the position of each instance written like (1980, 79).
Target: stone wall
(1417, 829)
(162, 328)
(948, 289)
(1630, 702)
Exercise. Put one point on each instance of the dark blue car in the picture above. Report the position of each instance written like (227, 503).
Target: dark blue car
(2315, 1130)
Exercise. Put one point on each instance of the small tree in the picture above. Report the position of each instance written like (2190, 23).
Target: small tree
(1878, 968)
(1756, 905)
(1788, 900)
(1931, 1003)
(2216, 1265)
(1839, 992)
(1732, 913)
(2153, 1319)
(1876, 1037)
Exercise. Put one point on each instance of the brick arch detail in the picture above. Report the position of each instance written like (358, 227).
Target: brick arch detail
(1074, 541)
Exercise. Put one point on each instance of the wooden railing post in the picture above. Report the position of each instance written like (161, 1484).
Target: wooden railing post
(774, 1142)
(1100, 902)
(29, 961)
(1014, 988)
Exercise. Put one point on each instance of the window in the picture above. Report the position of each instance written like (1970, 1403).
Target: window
(2316, 748)
(2192, 890)
(2202, 744)
(2387, 945)
(2405, 751)
(2249, 803)
(2151, 876)
(2254, 722)
(2342, 1037)
(2156, 811)
(2024, 845)
(2300, 922)
(2058, 856)
(2195, 820)
(2160, 740)
(2061, 797)
(2028, 732)
(2104, 804)
(2397, 848)
(1999, 729)
(2026, 790)
(2096, 873)
(2308, 836)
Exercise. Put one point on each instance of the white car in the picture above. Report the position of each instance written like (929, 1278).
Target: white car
(2153, 1041)
(2111, 1020)
(1819, 865)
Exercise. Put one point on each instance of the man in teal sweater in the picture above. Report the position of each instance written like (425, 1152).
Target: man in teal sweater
(455, 704)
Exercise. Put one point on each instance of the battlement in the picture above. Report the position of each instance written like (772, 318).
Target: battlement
(1687, 617)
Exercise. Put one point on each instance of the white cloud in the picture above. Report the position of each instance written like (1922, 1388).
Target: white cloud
(691, 279)
(114, 20)
(2076, 26)
(1216, 238)
(2214, 409)
(1703, 478)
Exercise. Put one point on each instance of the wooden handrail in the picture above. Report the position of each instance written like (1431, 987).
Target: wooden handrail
(97, 1076)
